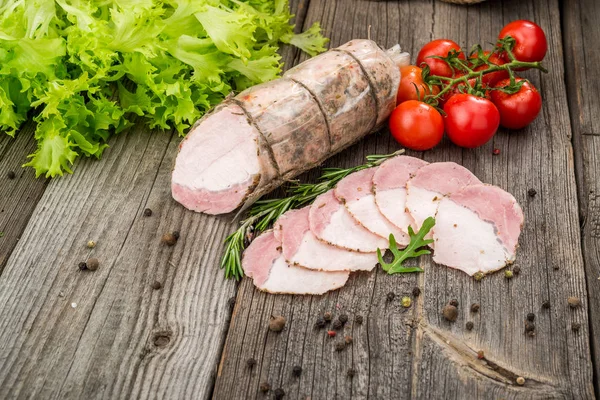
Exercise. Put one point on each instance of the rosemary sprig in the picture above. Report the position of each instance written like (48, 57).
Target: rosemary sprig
(264, 212)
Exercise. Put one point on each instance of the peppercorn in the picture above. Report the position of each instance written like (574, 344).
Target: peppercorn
(91, 244)
(529, 326)
(546, 304)
(348, 339)
(406, 302)
(339, 346)
(574, 302)
(331, 333)
(327, 316)
(390, 296)
(156, 285)
(351, 372)
(93, 264)
(531, 192)
(454, 302)
(478, 276)
(343, 318)
(276, 324)
(169, 239)
(416, 292)
(508, 274)
(82, 266)
(358, 319)
(251, 362)
(480, 355)
(320, 323)
(520, 381)
(575, 326)
(265, 387)
(531, 317)
(147, 212)
(469, 326)
(337, 325)
(496, 152)
(516, 270)
(176, 234)
(11, 175)
(279, 393)
(450, 312)
(474, 307)
(297, 370)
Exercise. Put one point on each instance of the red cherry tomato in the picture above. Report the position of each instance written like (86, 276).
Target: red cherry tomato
(519, 109)
(439, 47)
(470, 121)
(493, 77)
(530, 40)
(416, 125)
(411, 76)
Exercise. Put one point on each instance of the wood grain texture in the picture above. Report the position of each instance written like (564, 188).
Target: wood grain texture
(582, 54)
(415, 353)
(18, 196)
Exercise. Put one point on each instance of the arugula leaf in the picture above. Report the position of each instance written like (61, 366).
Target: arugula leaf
(88, 67)
(417, 241)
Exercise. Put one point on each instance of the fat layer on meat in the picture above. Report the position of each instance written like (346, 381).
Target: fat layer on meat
(331, 222)
(477, 229)
(355, 192)
(263, 262)
(389, 186)
(300, 247)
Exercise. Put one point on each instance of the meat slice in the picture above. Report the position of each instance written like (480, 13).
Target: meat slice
(477, 229)
(220, 180)
(331, 222)
(264, 262)
(355, 192)
(389, 186)
(300, 247)
(430, 184)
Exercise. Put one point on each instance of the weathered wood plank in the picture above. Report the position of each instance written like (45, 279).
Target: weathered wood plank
(66, 333)
(415, 353)
(18, 196)
(582, 55)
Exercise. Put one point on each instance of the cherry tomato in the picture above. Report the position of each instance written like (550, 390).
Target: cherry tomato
(411, 76)
(493, 77)
(519, 109)
(416, 125)
(530, 40)
(470, 121)
(439, 47)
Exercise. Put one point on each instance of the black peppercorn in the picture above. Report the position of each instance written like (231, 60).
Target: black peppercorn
(297, 370)
(531, 317)
(147, 212)
(546, 304)
(474, 307)
(529, 326)
(516, 270)
(339, 346)
(156, 285)
(390, 296)
(358, 319)
(327, 316)
(416, 292)
(265, 387)
(279, 393)
(176, 234)
(320, 323)
(11, 175)
(469, 326)
(343, 318)
(337, 324)
(454, 302)
(531, 192)
(82, 266)
(251, 362)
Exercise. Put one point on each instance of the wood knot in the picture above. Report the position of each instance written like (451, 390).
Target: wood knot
(162, 338)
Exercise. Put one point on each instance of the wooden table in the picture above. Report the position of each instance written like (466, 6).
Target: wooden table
(111, 334)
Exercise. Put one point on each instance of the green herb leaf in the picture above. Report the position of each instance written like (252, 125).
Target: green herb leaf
(414, 249)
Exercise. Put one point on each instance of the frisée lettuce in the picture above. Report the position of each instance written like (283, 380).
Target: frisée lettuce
(83, 69)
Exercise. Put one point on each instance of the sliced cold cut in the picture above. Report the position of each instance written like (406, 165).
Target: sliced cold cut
(264, 263)
(331, 222)
(477, 229)
(430, 184)
(389, 186)
(355, 192)
(272, 132)
(300, 247)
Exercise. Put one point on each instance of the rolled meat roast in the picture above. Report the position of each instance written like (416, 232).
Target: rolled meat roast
(270, 133)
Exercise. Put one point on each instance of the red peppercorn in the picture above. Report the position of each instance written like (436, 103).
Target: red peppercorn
(496, 152)
(331, 333)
